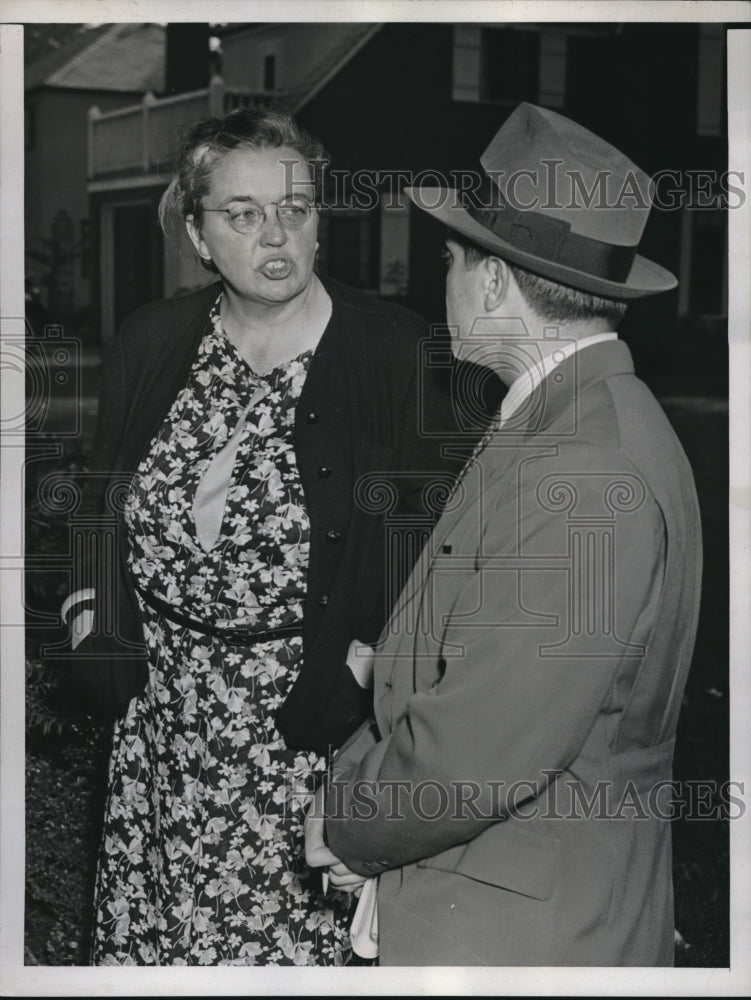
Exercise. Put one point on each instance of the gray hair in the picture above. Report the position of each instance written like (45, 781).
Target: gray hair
(205, 141)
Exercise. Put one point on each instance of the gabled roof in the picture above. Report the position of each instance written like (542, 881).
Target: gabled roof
(118, 57)
(316, 51)
(344, 41)
(44, 39)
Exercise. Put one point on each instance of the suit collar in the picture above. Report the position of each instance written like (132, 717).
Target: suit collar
(561, 388)
(556, 399)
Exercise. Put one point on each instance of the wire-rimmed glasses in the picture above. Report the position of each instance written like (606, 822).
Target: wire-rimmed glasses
(249, 217)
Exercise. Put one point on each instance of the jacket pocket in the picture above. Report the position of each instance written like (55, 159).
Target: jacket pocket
(509, 855)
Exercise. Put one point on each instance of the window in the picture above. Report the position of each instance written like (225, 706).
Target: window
(702, 286)
(394, 248)
(708, 263)
(269, 72)
(710, 94)
(349, 249)
(509, 65)
(85, 248)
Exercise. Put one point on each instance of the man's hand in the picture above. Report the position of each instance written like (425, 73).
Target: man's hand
(317, 854)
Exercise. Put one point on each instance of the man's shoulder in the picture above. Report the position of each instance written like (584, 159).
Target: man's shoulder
(614, 431)
(621, 413)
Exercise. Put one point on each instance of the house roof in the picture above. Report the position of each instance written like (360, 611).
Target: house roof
(43, 39)
(317, 51)
(117, 57)
(344, 41)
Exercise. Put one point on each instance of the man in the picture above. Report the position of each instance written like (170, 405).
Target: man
(513, 794)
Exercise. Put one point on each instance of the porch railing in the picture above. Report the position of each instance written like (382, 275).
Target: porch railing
(142, 138)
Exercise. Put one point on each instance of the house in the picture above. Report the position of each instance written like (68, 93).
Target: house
(394, 101)
(69, 68)
(447, 89)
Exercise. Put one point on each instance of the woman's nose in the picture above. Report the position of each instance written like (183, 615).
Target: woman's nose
(273, 232)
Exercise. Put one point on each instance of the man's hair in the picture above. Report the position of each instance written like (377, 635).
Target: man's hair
(207, 140)
(550, 300)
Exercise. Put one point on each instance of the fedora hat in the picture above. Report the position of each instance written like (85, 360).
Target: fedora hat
(559, 201)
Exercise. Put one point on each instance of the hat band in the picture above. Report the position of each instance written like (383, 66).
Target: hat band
(552, 240)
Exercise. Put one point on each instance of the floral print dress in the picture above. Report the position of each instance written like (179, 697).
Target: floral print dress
(202, 859)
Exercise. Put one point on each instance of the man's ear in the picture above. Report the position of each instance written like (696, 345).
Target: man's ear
(496, 282)
(195, 237)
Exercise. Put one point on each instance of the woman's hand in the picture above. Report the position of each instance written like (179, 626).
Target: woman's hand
(345, 880)
(317, 854)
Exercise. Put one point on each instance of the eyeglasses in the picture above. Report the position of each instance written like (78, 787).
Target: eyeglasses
(249, 217)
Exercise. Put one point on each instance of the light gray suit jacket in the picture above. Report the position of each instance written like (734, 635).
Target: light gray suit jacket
(514, 788)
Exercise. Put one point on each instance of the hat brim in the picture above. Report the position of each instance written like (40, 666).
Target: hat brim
(645, 277)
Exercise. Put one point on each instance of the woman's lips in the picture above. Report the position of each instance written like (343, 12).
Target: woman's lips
(276, 268)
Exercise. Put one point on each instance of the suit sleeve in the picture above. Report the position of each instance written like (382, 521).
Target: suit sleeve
(354, 749)
(511, 701)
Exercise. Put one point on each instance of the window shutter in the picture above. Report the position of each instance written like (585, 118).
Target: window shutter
(466, 68)
(552, 69)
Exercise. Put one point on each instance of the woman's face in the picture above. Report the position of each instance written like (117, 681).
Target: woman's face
(273, 264)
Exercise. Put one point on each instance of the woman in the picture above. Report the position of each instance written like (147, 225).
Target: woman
(239, 419)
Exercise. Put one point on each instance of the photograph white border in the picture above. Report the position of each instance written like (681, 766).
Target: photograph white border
(19, 980)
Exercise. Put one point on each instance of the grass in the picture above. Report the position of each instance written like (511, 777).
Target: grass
(65, 760)
(64, 801)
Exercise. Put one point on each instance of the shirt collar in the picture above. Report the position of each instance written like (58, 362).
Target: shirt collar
(525, 384)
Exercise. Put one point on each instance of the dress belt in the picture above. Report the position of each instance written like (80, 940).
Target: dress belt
(232, 636)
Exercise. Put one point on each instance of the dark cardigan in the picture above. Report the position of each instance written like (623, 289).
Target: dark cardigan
(368, 405)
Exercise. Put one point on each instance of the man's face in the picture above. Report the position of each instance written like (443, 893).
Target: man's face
(464, 298)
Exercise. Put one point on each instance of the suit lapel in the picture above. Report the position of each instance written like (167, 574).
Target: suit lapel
(555, 401)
